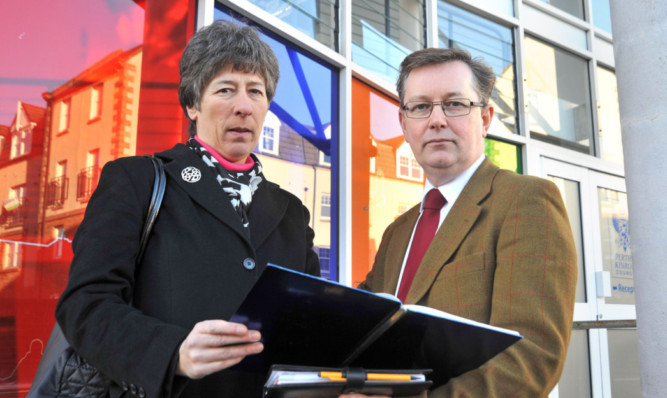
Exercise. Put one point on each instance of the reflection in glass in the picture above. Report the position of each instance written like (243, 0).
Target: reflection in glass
(458, 28)
(576, 378)
(70, 99)
(609, 117)
(316, 18)
(503, 154)
(602, 15)
(624, 363)
(295, 147)
(615, 240)
(384, 32)
(572, 7)
(558, 97)
(571, 196)
(386, 178)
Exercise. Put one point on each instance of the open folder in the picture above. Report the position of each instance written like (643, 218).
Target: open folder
(286, 381)
(310, 321)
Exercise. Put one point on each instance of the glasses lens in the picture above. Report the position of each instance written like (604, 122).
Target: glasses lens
(418, 109)
(456, 107)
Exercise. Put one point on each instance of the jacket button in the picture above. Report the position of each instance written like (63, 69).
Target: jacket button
(249, 263)
(142, 393)
(133, 389)
(125, 386)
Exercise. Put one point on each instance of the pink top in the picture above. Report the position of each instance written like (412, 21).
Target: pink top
(249, 162)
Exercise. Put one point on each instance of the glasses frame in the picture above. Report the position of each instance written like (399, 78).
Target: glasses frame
(442, 106)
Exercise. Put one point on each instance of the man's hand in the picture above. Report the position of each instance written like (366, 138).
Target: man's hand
(214, 345)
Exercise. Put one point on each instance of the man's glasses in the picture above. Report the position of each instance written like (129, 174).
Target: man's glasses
(452, 107)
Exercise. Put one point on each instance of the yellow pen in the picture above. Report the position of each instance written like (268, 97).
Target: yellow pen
(388, 376)
(333, 376)
(338, 376)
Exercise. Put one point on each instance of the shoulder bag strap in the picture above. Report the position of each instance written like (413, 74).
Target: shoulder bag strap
(154, 207)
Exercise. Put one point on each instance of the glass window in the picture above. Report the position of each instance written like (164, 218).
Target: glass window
(58, 241)
(63, 122)
(602, 15)
(28, 123)
(569, 189)
(384, 32)
(304, 119)
(316, 18)
(88, 176)
(624, 363)
(270, 139)
(325, 260)
(572, 7)
(95, 102)
(57, 189)
(11, 256)
(609, 117)
(504, 155)
(502, 6)
(325, 206)
(458, 28)
(558, 97)
(381, 164)
(59, 63)
(576, 378)
(407, 166)
(615, 240)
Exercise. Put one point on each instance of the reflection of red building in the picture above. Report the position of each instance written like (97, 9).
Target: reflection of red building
(50, 162)
(21, 163)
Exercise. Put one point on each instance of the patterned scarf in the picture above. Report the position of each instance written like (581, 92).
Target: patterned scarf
(238, 185)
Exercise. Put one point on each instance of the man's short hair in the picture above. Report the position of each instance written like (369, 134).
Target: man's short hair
(484, 76)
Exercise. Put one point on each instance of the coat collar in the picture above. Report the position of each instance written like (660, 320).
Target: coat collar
(266, 210)
(459, 221)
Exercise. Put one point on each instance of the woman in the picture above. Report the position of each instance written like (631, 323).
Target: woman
(219, 224)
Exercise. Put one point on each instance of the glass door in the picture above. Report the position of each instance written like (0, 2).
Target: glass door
(581, 375)
(602, 357)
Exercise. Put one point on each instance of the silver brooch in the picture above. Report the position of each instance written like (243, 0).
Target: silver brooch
(191, 174)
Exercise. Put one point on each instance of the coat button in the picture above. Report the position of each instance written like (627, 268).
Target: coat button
(249, 263)
(142, 393)
(125, 386)
(133, 389)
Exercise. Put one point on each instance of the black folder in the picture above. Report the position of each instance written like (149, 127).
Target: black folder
(310, 321)
(286, 381)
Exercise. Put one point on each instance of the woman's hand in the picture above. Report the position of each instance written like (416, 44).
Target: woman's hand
(214, 345)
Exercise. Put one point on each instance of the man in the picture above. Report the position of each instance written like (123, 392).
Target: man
(503, 253)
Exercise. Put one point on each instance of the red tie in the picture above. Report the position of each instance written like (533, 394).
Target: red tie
(426, 228)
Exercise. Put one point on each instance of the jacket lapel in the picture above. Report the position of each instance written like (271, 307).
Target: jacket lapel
(267, 209)
(453, 230)
(206, 191)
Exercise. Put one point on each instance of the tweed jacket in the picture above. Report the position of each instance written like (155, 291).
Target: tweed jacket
(199, 264)
(505, 256)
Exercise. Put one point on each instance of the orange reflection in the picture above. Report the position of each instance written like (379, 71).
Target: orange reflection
(386, 179)
(76, 93)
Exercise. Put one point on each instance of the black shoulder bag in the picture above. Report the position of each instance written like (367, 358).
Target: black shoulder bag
(61, 371)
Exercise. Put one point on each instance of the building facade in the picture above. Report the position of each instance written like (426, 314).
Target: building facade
(80, 91)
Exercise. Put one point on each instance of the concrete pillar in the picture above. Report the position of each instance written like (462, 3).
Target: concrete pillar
(640, 51)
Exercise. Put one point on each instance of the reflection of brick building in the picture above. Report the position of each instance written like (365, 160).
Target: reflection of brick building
(21, 147)
(299, 167)
(94, 119)
(49, 165)
(20, 171)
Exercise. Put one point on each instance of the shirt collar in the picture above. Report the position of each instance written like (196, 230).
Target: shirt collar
(453, 189)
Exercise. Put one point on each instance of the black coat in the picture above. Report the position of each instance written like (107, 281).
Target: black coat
(192, 270)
